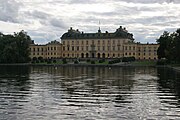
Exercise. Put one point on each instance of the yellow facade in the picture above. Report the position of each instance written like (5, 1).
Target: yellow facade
(77, 44)
(147, 51)
(90, 48)
(48, 51)
(105, 45)
(141, 51)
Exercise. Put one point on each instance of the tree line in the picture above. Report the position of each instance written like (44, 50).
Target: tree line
(169, 48)
(14, 48)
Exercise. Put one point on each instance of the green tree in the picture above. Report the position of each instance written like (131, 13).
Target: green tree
(14, 48)
(169, 46)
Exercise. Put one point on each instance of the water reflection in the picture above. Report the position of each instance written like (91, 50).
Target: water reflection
(89, 93)
(14, 90)
(169, 84)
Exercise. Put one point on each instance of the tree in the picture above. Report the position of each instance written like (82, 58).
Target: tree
(169, 46)
(14, 48)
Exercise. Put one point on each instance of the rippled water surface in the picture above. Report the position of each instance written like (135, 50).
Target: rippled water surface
(56, 93)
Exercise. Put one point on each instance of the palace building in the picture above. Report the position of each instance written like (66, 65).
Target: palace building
(118, 44)
(76, 44)
(51, 50)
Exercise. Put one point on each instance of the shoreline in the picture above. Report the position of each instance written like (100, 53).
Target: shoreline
(98, 65)
(175, 68)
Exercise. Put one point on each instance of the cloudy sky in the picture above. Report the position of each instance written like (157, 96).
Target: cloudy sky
(47, 20)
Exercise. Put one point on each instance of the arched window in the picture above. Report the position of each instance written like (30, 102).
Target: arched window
(103, 55)
(82, 55)
(99, 55)
(87, 55)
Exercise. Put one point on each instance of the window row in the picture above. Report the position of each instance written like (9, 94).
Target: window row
(87, 48)
(44, 53)
(43, 49)
(82, 42)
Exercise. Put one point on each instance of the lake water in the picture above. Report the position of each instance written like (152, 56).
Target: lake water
(91, 93)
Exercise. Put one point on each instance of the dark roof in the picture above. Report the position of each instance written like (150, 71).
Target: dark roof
(54, 42)
(75, 34)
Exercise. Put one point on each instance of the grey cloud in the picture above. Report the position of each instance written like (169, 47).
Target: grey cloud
(38, 14)
(82, 1)
(9, 10)
(58, 23)
(151, 1)
(46, 19)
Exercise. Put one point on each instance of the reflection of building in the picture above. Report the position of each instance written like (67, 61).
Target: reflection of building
(76, 44)
(50, 50)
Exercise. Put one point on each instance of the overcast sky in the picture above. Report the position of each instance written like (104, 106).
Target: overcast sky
(47, 20)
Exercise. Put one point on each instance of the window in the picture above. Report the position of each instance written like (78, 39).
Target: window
(86, 42)
(34, 49)
(103, 48)
(125, 47)
(72, 48)
(134, 48)
(113, 41)
(72, 42)
(98, 47)
(98, 41)
(77, 42)
(108, 47)
(129, 47)
(41, 49)
(64, 48)
(108, 42)
(82, 48)
(144, 49)
(77, 48)
(54, 48)
(113, 47)
(68, 48)
(139, 49)
(87, 48)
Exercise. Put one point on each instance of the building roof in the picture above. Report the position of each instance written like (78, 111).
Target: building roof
(76, 34)
(53, 42)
